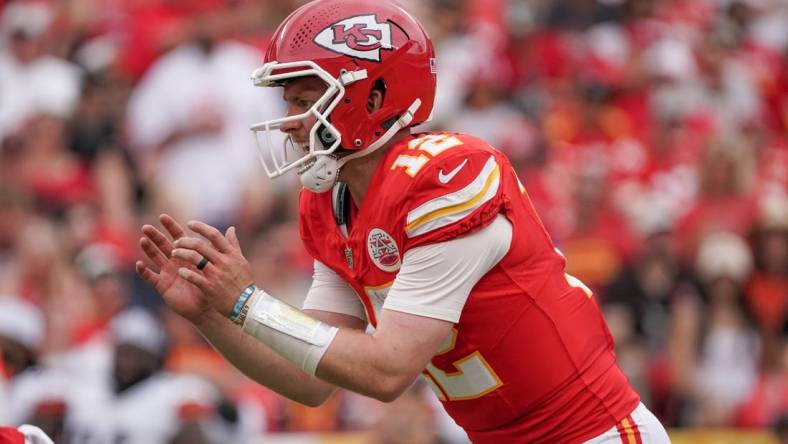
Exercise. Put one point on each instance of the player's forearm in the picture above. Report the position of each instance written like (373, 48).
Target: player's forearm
(262, 364)
(381, 366)
(367, 365)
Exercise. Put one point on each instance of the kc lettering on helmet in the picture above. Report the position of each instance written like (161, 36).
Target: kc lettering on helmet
(360, 36)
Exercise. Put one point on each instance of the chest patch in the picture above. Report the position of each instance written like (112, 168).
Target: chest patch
(383, 250)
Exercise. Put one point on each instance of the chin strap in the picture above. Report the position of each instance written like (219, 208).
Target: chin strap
(403, 121)
(323, 173)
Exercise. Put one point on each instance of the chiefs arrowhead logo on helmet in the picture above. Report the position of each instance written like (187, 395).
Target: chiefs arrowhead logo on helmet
(360, 36)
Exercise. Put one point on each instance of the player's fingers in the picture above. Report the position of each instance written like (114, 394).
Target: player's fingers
(172, 226)
(159, 240)
(212, 234)
(191, 257)
(146, 273)
(232, 238)
(201, 246)
(195, 278)
(153, 253)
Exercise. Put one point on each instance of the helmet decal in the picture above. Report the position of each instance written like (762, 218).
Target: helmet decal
(361, 36)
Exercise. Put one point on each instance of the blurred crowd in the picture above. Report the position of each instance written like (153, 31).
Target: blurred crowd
(651, 135)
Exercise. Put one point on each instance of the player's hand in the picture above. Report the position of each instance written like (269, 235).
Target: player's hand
(180, 295)
(227, 272)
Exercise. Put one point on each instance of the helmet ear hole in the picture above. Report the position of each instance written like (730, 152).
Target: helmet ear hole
(378, 90)
(380, 85)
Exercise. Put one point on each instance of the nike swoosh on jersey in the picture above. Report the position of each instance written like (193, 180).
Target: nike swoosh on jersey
(450, 208)
(446, 178)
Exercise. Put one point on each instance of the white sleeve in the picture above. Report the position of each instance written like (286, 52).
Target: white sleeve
(330, 293)
(435, 280)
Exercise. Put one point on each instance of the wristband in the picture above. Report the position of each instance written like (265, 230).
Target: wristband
(241, 319)
(240, 303)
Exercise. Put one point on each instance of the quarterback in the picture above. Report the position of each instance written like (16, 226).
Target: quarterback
(428, 238)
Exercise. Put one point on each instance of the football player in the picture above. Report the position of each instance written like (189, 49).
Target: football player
(430, 238)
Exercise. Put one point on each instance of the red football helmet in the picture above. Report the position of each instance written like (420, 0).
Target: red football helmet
(351, 45)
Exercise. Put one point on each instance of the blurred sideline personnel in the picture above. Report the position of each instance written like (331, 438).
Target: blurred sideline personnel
(138, 400)
(30, 392)
(430, 238)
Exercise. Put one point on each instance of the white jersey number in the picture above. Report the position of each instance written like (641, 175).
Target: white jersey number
(473, 379)
(432, 144)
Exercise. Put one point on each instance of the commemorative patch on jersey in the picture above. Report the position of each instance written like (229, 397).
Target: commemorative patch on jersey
(360, 36)
(383, 250)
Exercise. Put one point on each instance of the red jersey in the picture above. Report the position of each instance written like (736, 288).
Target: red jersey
(531, 358)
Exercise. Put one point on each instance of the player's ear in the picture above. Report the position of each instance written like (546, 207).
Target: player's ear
(374, 101)
(376, 96)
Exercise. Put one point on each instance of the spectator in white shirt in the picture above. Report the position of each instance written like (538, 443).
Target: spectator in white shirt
(188, 121)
